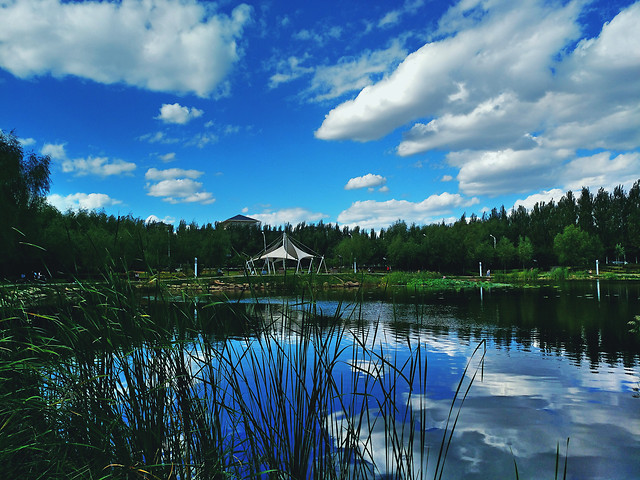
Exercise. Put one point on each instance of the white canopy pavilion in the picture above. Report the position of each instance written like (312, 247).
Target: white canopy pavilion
(285, 249)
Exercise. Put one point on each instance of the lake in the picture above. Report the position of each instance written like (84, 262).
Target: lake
(393, 383)
(560, 364)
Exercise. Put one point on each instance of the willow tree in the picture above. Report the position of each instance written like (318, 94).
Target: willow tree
(24, 183)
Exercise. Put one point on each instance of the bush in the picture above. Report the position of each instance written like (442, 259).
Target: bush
(559, 273)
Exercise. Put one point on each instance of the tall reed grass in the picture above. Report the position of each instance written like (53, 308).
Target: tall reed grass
(110, 384)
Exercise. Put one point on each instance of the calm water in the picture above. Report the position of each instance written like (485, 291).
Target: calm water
(560, 363)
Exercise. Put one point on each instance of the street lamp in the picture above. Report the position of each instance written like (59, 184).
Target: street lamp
(494, 240)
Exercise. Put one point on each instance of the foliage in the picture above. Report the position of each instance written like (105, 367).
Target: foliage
(519, 276)
(117, 386)
(76, 244)
(575, 247)
(559, 273)
(24, 182)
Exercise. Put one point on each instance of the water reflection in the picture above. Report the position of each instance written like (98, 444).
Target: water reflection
(560, 365)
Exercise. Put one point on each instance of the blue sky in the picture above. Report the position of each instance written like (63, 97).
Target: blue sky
(357, 113)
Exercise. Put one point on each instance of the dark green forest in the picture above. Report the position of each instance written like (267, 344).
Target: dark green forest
(36, 237)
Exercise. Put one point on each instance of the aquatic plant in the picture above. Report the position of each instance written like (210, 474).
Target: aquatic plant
(108, 383)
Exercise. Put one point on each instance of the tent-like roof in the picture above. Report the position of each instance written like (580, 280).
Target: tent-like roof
(285, 249)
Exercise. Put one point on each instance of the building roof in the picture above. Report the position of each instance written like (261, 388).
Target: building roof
(240, 220)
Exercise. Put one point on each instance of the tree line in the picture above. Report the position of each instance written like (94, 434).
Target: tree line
(36, 237)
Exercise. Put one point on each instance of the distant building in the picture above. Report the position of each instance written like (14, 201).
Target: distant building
(239, 220)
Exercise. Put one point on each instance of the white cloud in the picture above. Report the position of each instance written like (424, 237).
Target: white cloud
(160, 45)
(545, 196)
(167, 157)
(171, 173)
(351, 74)
(27, 142)
(179, 190)
(200, 140)
(176, 113)
(319, 37)
(347, 75)
(502, 121)
(289, 70)
(393, 17)
(498, 172)
(101, 166)
(154, 219)
(367, 181)
(81, 201)
(55, 150)
(292, 216)
(506, 50)
(601, 170)
(158, 137)
(372, 214)
(508, 91)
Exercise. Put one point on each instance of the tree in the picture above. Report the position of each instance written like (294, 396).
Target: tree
(505, 252)
(24, 183)
(525, 250)
(575, 247)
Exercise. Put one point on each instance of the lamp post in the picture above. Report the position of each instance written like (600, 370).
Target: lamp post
(494, 240)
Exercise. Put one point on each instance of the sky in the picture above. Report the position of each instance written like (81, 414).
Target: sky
(360, 113)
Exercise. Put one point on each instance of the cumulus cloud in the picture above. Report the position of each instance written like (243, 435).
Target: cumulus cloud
(160, 45)
(541, 197)
(180, 190)
(366, 181)
(176, 113)
(503, 51)
(601, 170)
(171, 173)
(292, 216)
(167, 157)
(505, 171)
(177, 185)
(513, 92)
(27, 142)
(100, 166)
(372, 214)
(81, 201)
(55, 150)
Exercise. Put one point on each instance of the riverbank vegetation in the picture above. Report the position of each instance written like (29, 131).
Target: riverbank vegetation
(39, 241)
(114, 384)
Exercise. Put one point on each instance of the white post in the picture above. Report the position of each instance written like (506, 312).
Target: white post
(597, 267)
(480, 263)
(195, 268)
(355, 267)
